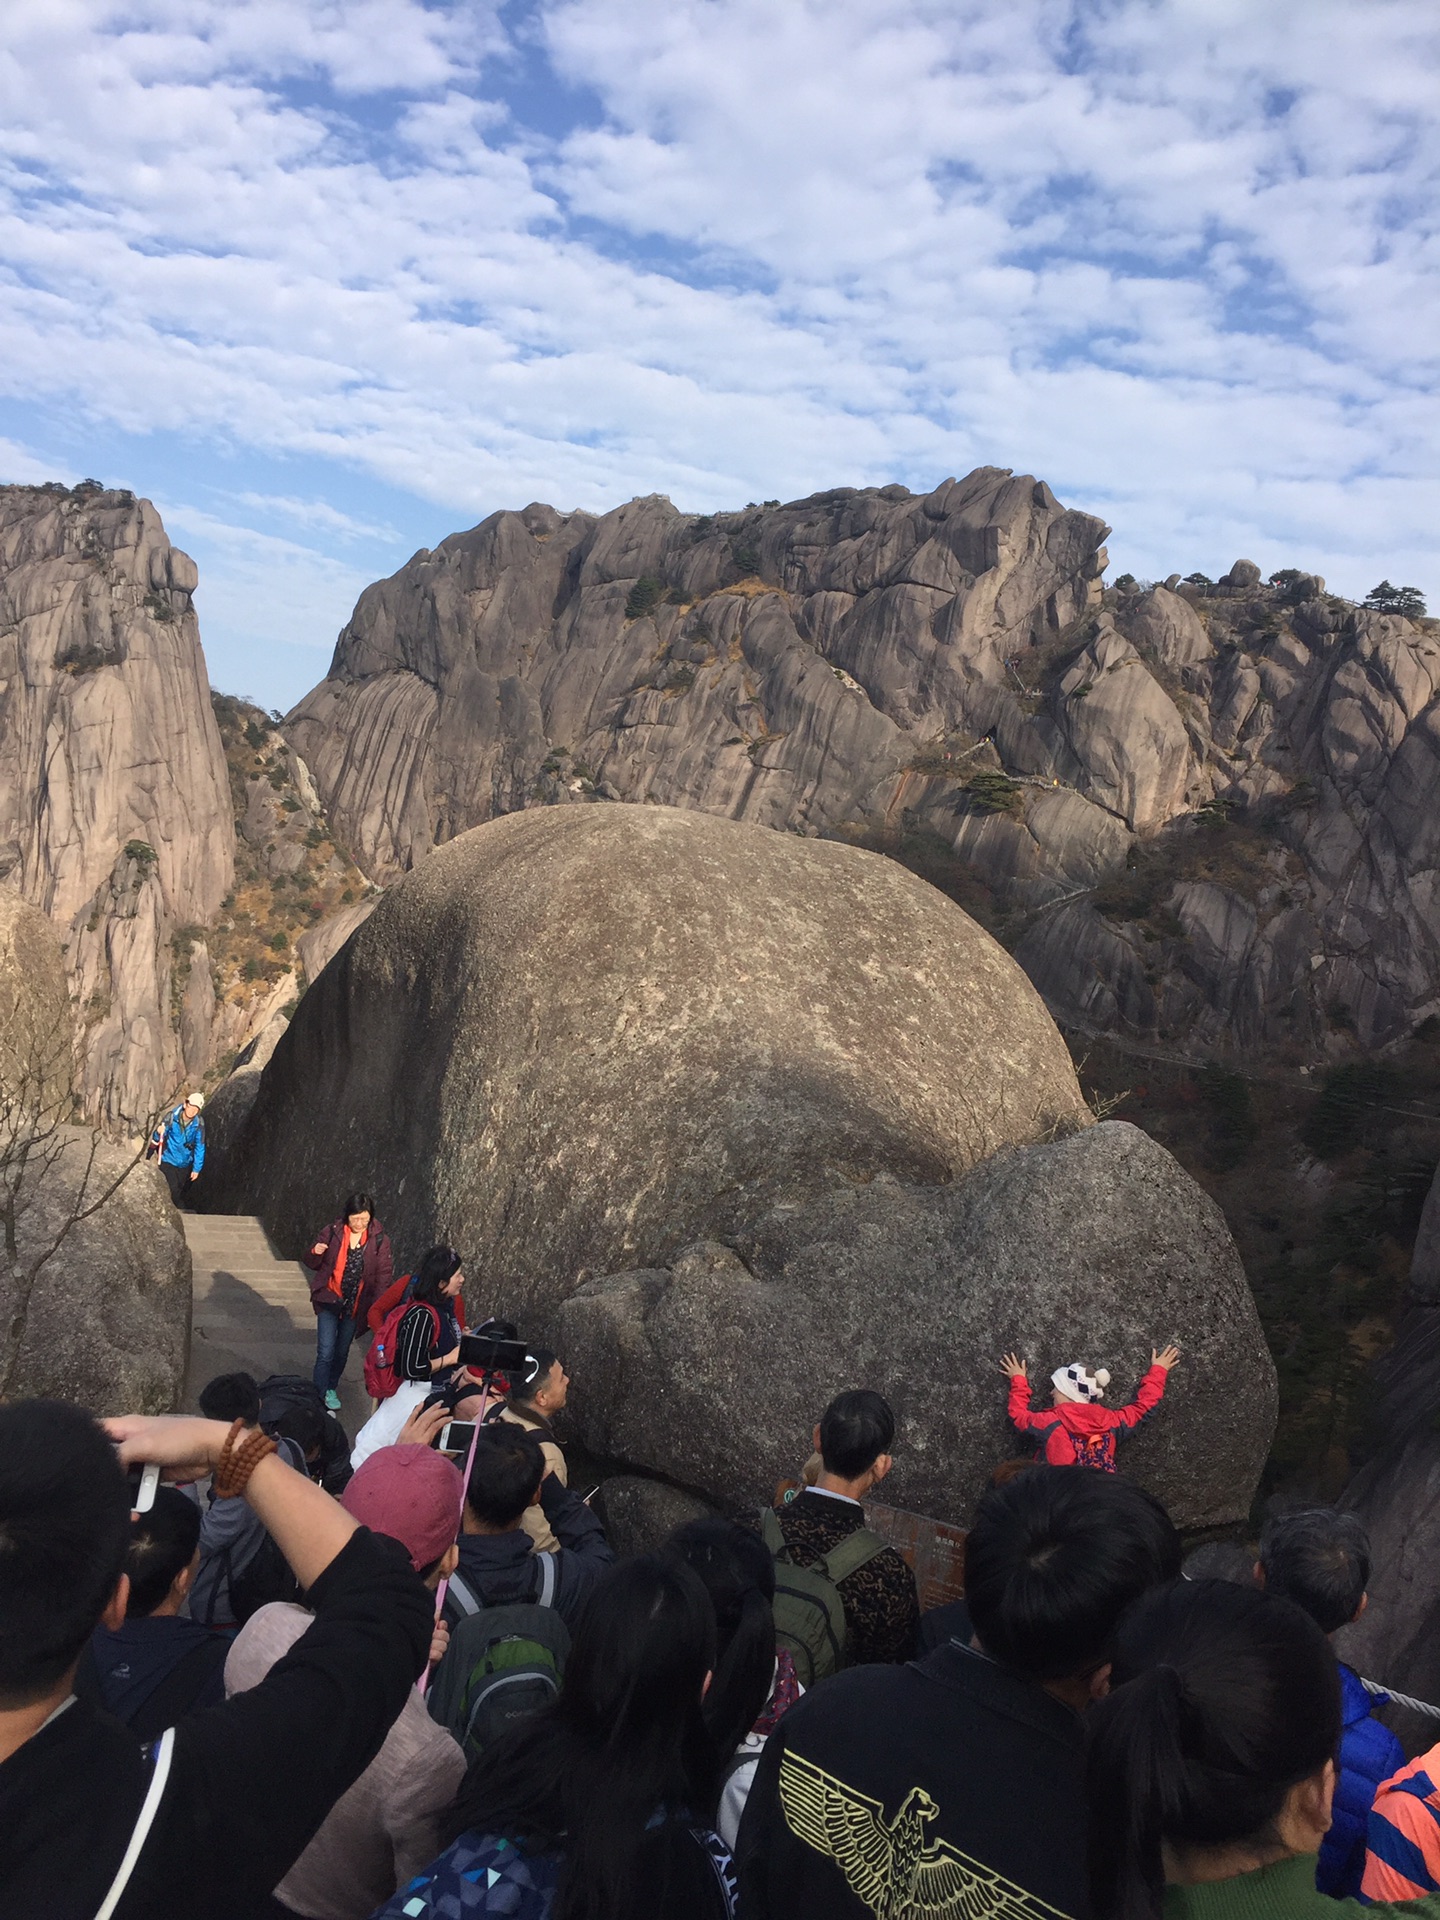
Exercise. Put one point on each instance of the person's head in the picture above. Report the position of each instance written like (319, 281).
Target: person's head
(738, 1573)
(544, 1385)
(163, 1556)
(304, 1423)
(506, 1468)
(64, 1533)
(855, 1435)
(191, 1105)
(1076, 1385)
(1215, 1744)
(438, 1277)
(625, 1737)
(1052, 1560)
(359, 1211)
(412, 1494)
(231, 1396)
(1319, 1558)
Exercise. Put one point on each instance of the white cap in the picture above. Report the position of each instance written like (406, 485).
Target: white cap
(194, 1100)
(1074, 1383)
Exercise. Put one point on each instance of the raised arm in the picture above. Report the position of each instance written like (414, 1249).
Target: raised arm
(1151, 1390)
(1019, 1409)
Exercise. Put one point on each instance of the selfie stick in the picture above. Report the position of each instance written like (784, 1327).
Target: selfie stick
(423, 1683)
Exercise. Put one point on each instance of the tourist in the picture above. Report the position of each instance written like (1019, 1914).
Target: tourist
(423, 1349)
(1402, 1835)
(1076, 1431)
(233, 1548)
(352, 1267)
(532, 1402)
(231, 1396)
(386, 1827)
(896, 1789)
(178, 1143)
(1212, 1760)
(202, 1824)
(754, 1682)
(499, 1565)
(1320, 1558)
(598, 1806)
(155, 1667)
(823, 1529)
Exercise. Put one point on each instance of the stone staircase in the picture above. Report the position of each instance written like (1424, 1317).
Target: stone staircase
(251, 1312)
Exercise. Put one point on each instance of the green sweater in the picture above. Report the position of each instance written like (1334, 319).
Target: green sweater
(1284, 1891)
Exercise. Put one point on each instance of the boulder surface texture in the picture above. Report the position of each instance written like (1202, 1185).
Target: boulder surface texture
(812, 1124)
(115, 813)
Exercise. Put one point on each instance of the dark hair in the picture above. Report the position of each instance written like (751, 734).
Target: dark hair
(64, 1529)
(436, 1269)
(625, 1738)
(1318, 1557)
(739, 1575)
(536, 1374)
(1052, 1560)
(855, 1429)
(231, 1396)
(162, 1545)
(505, 1468)
(358, 1203)
(1222, 1699)
(304, 1423)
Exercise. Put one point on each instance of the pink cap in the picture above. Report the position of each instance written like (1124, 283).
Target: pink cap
(413, 1494)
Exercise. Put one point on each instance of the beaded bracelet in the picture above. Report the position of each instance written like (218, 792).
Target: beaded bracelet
(236, 1464)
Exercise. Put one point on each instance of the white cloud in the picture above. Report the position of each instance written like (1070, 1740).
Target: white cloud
(1178, 256)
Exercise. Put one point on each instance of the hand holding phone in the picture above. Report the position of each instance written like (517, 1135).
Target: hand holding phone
(456, 1436)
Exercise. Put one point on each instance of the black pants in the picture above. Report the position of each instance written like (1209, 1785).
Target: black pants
(178, 1181)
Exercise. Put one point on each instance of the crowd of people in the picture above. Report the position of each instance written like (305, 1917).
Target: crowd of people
(410, 1678)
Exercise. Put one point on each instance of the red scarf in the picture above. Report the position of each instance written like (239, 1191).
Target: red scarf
(335, 1284)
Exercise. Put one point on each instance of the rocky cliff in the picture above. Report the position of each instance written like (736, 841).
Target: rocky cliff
(114, 812)
(1197, 813)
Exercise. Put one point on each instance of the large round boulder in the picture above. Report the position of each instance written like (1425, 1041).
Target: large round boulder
(576, 1039)
(810, 1123)
(1097, 1248)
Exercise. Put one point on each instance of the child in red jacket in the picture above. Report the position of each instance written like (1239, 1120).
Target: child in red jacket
(1076, 1431)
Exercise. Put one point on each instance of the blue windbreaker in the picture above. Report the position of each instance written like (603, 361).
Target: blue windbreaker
(184, 1146)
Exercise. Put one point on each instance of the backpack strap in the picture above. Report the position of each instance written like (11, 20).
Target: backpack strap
(856, 1550)
(546, 1595)
(773, 1534)
(149, 1807)
(460, 1593)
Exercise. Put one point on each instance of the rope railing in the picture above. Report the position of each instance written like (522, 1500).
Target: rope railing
(1400, 1699)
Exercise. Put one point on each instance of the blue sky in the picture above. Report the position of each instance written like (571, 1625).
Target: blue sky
(329, 279)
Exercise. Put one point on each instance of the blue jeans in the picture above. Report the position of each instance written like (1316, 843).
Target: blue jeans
(333, 1335)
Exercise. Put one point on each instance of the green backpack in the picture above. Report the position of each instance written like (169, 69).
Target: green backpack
(809, 1613)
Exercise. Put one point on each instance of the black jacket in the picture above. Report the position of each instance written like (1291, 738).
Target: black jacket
(250, 1781)
(500, 1568)
(949, 1785)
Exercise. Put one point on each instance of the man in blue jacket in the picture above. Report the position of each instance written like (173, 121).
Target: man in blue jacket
(1319, 1557)
(179, 1141)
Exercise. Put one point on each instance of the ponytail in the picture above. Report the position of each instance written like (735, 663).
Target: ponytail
(739, 1576)
(1222, 1699)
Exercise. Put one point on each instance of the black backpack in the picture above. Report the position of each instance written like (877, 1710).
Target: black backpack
(503, 1663)
(281, 1394)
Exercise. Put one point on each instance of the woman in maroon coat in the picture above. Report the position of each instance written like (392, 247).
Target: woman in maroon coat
(352, 1265)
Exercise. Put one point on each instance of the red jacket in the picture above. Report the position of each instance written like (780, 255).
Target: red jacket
(328, 1269)
(1072, 1435)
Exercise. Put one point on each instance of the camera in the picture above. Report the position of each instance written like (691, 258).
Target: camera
(494, 1348)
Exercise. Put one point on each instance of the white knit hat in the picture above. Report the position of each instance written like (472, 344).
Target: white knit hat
(1074, 1383)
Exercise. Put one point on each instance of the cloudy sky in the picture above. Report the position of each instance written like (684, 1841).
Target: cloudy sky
(329, 279)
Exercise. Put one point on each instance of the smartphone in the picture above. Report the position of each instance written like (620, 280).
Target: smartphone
(143, 1481)
(455, 1436)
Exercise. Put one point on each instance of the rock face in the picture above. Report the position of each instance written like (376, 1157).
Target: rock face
(740, 1073)
(782, 665)
(939, 669)
(108, 1322)
(36, 1024)
(1097, 1247)
(114, 809)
